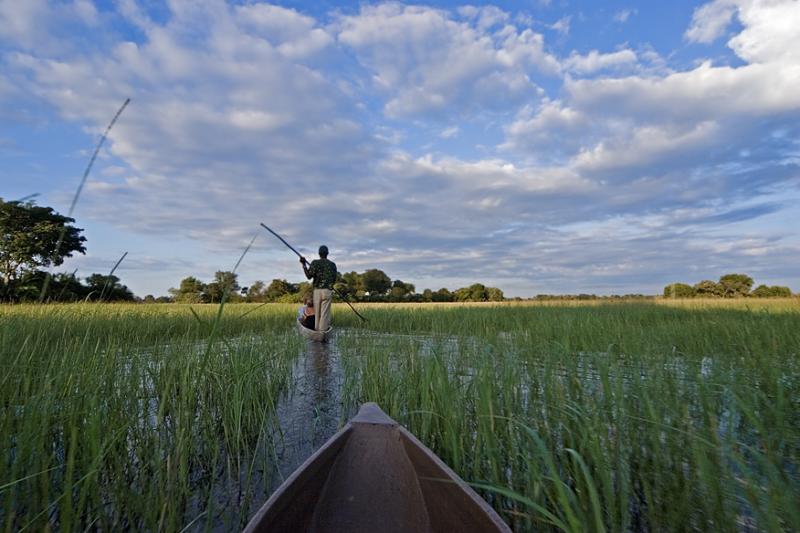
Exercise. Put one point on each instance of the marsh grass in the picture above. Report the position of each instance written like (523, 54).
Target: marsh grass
(661, 416)
(126, 417)
(620, 417)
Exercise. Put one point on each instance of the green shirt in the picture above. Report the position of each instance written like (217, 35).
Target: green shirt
(323, 273)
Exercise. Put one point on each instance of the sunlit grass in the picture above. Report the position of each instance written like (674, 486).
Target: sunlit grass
(577, 416)
(122, 417)
(600, 417)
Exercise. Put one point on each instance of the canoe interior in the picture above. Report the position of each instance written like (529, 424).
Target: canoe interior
(314, 335)
(375, 476)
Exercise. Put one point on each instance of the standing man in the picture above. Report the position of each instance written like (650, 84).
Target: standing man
(323, 273)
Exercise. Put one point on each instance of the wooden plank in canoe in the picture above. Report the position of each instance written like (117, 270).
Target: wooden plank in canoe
(374, 475)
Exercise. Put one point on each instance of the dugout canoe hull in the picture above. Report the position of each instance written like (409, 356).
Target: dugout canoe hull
(374, 475)
(314, 335)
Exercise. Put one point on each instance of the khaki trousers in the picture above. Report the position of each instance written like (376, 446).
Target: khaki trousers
(322, 307)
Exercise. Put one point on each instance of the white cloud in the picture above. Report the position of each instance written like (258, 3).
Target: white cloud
(770, 27)
(447, 133)
(428, 62)
(484, 17)
(562, 25)
(703, 92)
(252, 112)
(294, 34)
(623, 15)
(18, 21)
(220, 117)
(646, 144)
(595, 61)
(40, 24)
(770, 32)
(710, 21)
(86, 11)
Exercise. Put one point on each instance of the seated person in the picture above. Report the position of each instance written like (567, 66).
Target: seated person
(306, 314)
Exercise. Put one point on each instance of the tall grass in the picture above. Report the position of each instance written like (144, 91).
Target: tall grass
(624, 417)
(124, 417)
(657, 416)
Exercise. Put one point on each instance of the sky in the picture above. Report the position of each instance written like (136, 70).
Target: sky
(539, 146)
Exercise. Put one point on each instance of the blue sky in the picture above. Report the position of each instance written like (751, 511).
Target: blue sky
(537, 146)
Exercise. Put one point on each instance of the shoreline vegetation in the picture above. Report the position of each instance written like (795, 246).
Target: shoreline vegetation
(567, 416)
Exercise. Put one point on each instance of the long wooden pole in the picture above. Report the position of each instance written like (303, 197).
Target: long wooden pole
(301, 257)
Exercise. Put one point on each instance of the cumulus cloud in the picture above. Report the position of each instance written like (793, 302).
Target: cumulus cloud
(595, 61)
(710, 21)
(770, 32)
(44, 25)
(293, 34)
(223, 120)
(361, 132)
(428, 61)
(678, 119)
(562, 25)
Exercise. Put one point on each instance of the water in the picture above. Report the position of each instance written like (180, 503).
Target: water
(306, 416)
(311, 411)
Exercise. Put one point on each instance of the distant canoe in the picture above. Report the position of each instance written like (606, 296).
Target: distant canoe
(314, 335)
(374, 475)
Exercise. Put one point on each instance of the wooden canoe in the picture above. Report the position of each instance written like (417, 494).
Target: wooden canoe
(374, 475)
(314, 335)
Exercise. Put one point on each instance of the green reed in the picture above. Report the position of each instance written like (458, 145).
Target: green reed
(124, 417)
(620, 417)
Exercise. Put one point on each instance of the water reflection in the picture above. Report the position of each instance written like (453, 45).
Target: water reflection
(310, 412)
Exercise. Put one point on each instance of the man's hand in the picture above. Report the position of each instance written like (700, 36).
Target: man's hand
(303, 260)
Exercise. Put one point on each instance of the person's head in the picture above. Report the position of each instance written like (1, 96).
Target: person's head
(308, 301)
(323, 251)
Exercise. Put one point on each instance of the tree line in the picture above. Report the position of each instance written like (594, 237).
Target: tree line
(372, 285)
(728, 286)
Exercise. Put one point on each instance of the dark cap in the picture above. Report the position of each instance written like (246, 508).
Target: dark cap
(323, 251)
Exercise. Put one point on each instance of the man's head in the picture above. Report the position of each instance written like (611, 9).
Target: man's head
(323, 251)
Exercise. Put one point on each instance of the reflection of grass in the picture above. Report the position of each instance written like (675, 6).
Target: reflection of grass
(625, 416)
(108, 422)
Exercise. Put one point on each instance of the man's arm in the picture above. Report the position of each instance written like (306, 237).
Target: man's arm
(305, 267)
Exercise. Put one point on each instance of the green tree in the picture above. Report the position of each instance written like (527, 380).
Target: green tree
(107, 289)
(190, 291)
(679, 290)
(65, 288)
(401, 289)
(477, 293)
(278, 288)
(351, 284)
(775, 291)
(708, 289)
(493, 294)
(304, 289)
(257, 292)
(735, 285)
(225, 282)
(33, 237)
(462, 294)
(443, 295)
(427, 295)
(376, 282)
